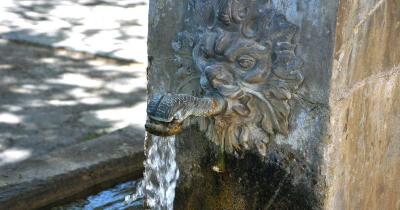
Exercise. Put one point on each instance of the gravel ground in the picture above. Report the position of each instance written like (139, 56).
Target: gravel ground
(50, 99)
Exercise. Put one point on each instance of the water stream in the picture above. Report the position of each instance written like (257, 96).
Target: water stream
(160, 176)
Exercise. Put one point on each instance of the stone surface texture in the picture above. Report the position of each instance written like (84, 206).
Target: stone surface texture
(72, 172)
(290, 175)
(343, 146)
(363, 152)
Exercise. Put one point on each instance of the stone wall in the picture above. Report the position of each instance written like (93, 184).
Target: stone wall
(363, 152)
(289, 177)
(343, 146)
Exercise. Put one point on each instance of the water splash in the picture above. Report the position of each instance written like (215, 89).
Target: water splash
(160, 176)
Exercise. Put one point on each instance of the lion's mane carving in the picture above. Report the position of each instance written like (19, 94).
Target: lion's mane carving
(244, 51)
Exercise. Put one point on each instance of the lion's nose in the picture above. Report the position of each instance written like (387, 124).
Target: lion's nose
(212, 72)
(217, 75)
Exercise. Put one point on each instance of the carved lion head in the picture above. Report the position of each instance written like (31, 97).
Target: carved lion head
(245, 52)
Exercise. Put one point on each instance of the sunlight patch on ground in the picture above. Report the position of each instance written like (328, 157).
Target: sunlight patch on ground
(13, 155)
(9, 118)
(5, 66)
(11, 108)
(76, 79)
(118, 117)
(62, 102)
(79, 92)
(126, 85)
(48, 60)
(99, 100)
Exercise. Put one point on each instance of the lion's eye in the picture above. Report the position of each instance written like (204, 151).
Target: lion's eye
(246, 61)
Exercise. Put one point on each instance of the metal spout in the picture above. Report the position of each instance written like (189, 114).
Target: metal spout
(166, 113)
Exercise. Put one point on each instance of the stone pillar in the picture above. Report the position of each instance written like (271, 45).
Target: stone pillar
(334, 142)
(362, 153)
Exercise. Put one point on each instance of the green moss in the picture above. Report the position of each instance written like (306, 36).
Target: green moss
(93, 135)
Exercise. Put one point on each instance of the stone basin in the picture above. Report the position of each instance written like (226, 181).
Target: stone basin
(73, 173)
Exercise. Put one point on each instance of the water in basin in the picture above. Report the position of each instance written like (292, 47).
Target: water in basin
(157, 186)
(110, 199)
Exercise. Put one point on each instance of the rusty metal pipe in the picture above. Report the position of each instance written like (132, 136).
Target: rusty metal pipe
(167, 112)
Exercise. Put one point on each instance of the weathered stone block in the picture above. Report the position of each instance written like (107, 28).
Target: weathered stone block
(362, 157)
(340, 146)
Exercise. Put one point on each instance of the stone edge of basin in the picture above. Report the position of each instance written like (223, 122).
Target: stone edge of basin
(74, 171)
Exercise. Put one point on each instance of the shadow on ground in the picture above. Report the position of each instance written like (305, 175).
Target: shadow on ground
(53, 99)
(81, 25)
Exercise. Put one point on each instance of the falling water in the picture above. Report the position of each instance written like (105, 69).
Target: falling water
(160, 176)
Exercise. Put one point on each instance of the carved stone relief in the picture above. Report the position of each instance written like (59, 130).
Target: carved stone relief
(243, 51)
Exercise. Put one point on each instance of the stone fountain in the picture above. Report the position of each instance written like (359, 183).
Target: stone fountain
(245, 85)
